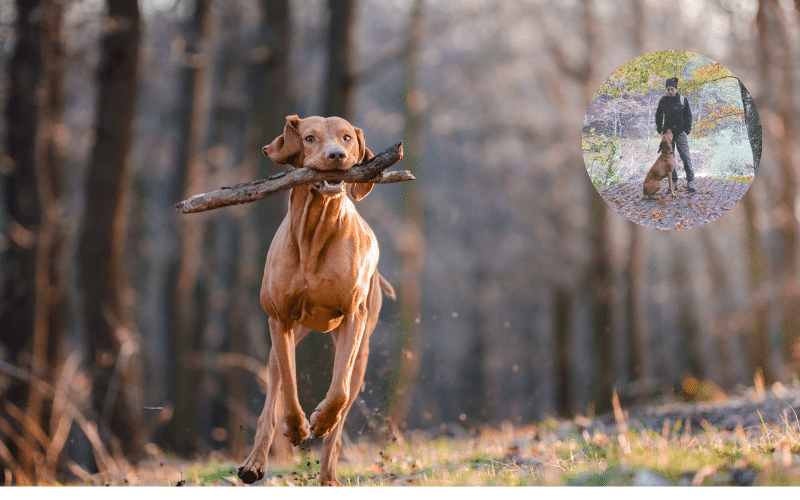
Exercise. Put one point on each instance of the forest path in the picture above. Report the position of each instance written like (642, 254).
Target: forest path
(709, 202)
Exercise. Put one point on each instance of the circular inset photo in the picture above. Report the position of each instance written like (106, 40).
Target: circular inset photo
(672, 140)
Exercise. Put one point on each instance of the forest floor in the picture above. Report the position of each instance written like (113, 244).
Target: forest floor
(712, 199)
(751, 439)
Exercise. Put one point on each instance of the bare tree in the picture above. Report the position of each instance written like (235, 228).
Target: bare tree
(112, 344)
(759, 343)
(49, 310)
(753, 125)
(777, 70)
(599, 270)
(190, 169)
(639, 362)
(563, 329)
(341, 51)
(34, 290)
(21, 193)
(411, 240)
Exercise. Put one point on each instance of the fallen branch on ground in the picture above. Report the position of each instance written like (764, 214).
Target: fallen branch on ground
(372, 170)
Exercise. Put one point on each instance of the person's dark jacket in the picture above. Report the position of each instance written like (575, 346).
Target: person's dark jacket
(673, 113)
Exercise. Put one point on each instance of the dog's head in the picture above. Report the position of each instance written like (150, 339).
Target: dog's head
(666, 143)
(321, 144)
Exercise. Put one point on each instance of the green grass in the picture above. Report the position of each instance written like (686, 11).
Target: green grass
(550, 453)
(536, 457)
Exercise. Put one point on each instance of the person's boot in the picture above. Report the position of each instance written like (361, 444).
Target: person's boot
(690, 186)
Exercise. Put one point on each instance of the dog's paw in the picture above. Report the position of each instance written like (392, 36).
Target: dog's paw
(253, 468)
(296, 429)
(324, 418)
(329, 482)
(248, 475)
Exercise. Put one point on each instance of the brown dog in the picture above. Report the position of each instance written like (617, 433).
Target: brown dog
(321, 274)
(663, 167)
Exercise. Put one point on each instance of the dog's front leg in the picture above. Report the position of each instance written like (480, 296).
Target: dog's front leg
(255, 464)
(295, 425)
(347, 340)
(669, 179)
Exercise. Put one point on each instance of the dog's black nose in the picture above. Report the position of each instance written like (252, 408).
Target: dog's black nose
(336, 153)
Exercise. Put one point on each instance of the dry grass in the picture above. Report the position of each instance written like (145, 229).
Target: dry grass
(551, 453)
(621, 451)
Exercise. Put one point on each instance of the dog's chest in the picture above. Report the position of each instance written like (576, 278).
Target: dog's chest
(319, 267)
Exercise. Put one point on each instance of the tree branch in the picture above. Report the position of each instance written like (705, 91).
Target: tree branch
(373, 170)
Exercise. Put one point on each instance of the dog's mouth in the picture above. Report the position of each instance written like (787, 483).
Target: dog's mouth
(329, 188)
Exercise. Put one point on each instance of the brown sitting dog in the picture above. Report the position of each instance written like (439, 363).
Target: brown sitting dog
(321, 274)
(663, 167)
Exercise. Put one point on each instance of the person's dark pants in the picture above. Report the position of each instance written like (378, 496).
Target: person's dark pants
(681, 142)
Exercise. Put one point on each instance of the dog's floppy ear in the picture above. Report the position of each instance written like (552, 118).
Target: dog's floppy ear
(287, 148)
(360, 190)
(363, 151)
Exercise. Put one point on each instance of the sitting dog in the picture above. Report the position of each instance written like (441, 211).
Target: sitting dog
(662, 168)
(321, 274)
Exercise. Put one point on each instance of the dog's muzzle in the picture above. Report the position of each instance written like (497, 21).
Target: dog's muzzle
(335, 159)
(329, 188)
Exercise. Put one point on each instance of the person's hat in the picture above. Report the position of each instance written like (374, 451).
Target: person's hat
(672, 82)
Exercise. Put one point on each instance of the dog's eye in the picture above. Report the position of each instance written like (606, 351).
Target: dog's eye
(346, 138)
(309, 138)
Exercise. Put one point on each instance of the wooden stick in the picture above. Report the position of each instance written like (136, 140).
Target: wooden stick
(373, 170)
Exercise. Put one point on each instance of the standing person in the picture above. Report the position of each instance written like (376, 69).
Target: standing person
(673, 113)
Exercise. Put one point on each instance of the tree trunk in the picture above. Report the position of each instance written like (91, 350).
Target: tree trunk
(184, 294)
(21, 197)
(720, 307)
(341, 51)
(599, 283)
(268, 80)
(778, 73)
(563, 328)
(695, 360)
(599, 275)
(49, 310)
(34, 288)
(640, 363)
(226, 408)
(758, 341)
(113, 346)
(411, 240)
(753, 124)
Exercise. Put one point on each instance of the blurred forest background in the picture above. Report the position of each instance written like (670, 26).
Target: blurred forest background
(127, 328)
(619, 133)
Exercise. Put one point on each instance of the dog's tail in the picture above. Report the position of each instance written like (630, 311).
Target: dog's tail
(386, 287)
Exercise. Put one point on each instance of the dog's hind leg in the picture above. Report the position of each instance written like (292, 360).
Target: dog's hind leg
(347, 340)
(332, 442)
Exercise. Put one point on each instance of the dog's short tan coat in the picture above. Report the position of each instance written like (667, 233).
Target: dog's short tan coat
(663, 167)
(321, 274)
